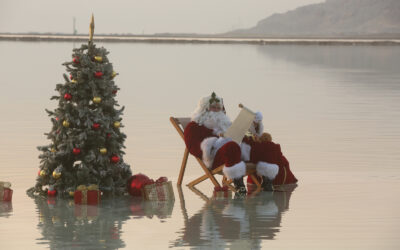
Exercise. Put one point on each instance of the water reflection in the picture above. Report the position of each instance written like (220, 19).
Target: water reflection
(234, 223)
(365, 58)
(6, 209)
(150, 209)
(65, 225)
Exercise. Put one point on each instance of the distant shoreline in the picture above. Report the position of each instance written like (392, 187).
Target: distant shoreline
(202, 39)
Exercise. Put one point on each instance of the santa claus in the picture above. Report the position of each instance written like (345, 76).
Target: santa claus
(204, 139)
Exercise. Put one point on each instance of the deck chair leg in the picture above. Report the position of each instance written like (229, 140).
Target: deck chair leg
(224, 180)
(204, 177)
(208, 173)
(255, 180)
(183, 167)
(227, 182)
(198, 180)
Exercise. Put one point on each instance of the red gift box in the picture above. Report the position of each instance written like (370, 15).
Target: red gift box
(222, 192)
(5, 191)
(87, 195)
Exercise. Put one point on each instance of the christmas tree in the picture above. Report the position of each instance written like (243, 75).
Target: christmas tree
(86, 141)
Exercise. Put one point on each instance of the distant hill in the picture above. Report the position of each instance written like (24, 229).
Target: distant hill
(332, 18)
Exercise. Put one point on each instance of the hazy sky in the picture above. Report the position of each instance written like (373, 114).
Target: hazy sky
(139, 16)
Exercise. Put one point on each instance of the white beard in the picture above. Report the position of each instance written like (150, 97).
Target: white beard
(219, 122)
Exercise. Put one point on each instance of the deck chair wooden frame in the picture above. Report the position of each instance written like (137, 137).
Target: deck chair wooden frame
(180, 124)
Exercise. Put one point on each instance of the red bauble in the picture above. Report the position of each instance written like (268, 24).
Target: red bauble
(96, 126)
(98, 74)
(71, 77)
(76, 151)
(51, 192)
(115, 159)
(76, 60)
(136, 183)
(57, 118)
(67, 96)
(114, 91)
(108, 135)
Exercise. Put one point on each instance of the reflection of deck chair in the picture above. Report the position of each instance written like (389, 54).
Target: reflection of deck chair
(180, 124)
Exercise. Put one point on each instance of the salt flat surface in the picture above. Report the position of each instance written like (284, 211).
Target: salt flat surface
(335, 111)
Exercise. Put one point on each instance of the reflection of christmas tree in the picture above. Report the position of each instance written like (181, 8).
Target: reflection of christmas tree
(86, 141)
(65, 225)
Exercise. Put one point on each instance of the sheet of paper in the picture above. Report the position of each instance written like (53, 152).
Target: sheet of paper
(240, 125)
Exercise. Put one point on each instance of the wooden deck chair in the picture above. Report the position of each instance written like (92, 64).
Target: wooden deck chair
(180, 124)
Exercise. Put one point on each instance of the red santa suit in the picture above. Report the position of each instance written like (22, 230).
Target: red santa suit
(266, 152)
(203, 143)
(202, 140)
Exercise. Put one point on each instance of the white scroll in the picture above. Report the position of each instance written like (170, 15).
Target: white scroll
(240, 125)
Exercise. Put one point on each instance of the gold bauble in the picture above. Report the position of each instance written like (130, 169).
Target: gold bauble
(56, 175)
(71, 193)
(41, 217)
(74, 81)
(53, 150)
(117, 124)
(114, 74)
(98, 58)
(66, 124)
(103, 151)
(96, 99)
(42, 173)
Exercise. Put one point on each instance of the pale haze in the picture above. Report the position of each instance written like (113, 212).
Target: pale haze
(139, 16)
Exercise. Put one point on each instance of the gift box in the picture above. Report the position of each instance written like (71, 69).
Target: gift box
(161, 190)
(222, 193)
(87, 195)
(5, 191)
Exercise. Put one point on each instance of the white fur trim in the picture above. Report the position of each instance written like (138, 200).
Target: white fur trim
(236, 171)
(258, 117)
(206, 145)
(219, 143)
(268, 170)
(245, 149)
(210, 146)
(260, 129)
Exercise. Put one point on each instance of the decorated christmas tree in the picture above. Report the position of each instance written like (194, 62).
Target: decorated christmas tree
(86, 141)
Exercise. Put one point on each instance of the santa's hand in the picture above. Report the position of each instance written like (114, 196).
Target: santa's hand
(256, 138)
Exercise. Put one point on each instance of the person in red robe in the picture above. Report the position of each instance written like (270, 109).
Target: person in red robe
(204, 139)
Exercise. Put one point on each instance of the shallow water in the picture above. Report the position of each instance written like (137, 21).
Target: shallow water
(335, 110)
